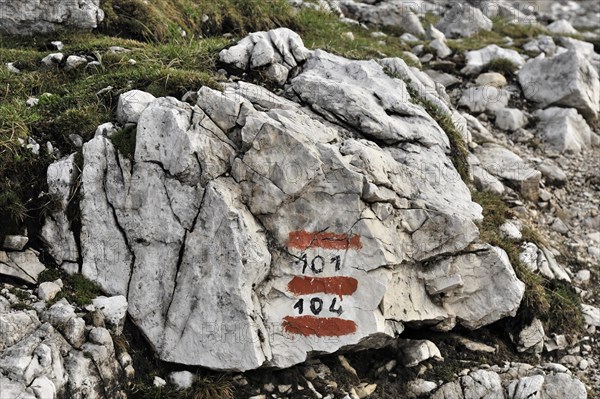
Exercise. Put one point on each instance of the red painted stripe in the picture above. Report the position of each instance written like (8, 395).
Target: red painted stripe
(319, 326)
(301, 285)
(303, 240)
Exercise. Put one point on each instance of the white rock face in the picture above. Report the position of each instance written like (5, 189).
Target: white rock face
(462, 20)
(48, 290)
(131, 105)
(563, 129)
(567, 79)
(28, 17)
(478, 59)
(249, 231)
(562, 27)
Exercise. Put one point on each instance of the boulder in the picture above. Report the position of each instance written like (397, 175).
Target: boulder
(562, 27)
(484, 98)
(131, 104)
(531, 337)
(48, 290)
(462, 20)
(29, 17)
(114, 309)
(395, 14)
(567, 79)
(476, 60)
(22, 265)
(509, 167)
(541, 44)
(251, 232)
(15, 242)
(181, 379)
(563, 129)
(494, 79)
(56, 231)
(510, 119)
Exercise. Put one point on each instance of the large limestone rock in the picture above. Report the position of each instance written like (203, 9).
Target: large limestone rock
(563, 129)
(509, 167)
(28, 17)
(567, 79)
(22, 265)
(477, 59)
(251, 231)
(462, 20)
(397, 14)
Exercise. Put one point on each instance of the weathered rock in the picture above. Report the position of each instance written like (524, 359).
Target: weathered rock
(56, 231)
(393, 13)
(563, 129)
(531, 337)
(441, 48)
(181, 379)
(509, 167)
(114, 310)
(486, 98)
(417, 351)
(249, 231)
(48, 290)
(567, 79)
(30, 17)
(541, 44)
(22, 265)
(552, 173)
(131, 104)
(478, 59)
(591, 314)
(562, 27)
(491, 79)
(462, 20)
(15, 242)
(261, 49)
(510, 119)
(75, 62)
(562, 385)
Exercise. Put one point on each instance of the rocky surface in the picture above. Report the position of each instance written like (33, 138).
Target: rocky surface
(29, 17)
(307, 225)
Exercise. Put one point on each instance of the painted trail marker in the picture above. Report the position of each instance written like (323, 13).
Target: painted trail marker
(318, 310)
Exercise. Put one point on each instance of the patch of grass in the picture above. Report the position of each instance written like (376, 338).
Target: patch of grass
(21, 306)
(203, 388)
(458, 147)
(325, 31)
(20, 294)
(501, 65)
(76, 289)
(163, 20)
(553, 302)
(124, 141)
(71, 103)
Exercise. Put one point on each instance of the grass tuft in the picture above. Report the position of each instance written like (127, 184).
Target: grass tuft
(77, 289)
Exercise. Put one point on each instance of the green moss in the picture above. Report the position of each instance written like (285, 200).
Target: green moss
(76, 288)
(502, 65)
(124, 141)
(458, 147)
(321, 30)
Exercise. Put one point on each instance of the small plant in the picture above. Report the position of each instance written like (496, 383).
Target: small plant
(124, 141)
(203, 388)
(76, 288)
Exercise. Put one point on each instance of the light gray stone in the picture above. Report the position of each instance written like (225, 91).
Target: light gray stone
(484, 98)
(510, 119)
(22, 265)
(75, 62)
(15, 242)
(509, 167)
(393, 13)
(48, 290)
(181, 379)
(29, 17)
(131, 104)
(531, 337)
(567, 79)
(476, 60)
(562, 27)
(462, 20)
(563, 129)
(441, 48)
(114, 309)
(494, 79)
(416, 351)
